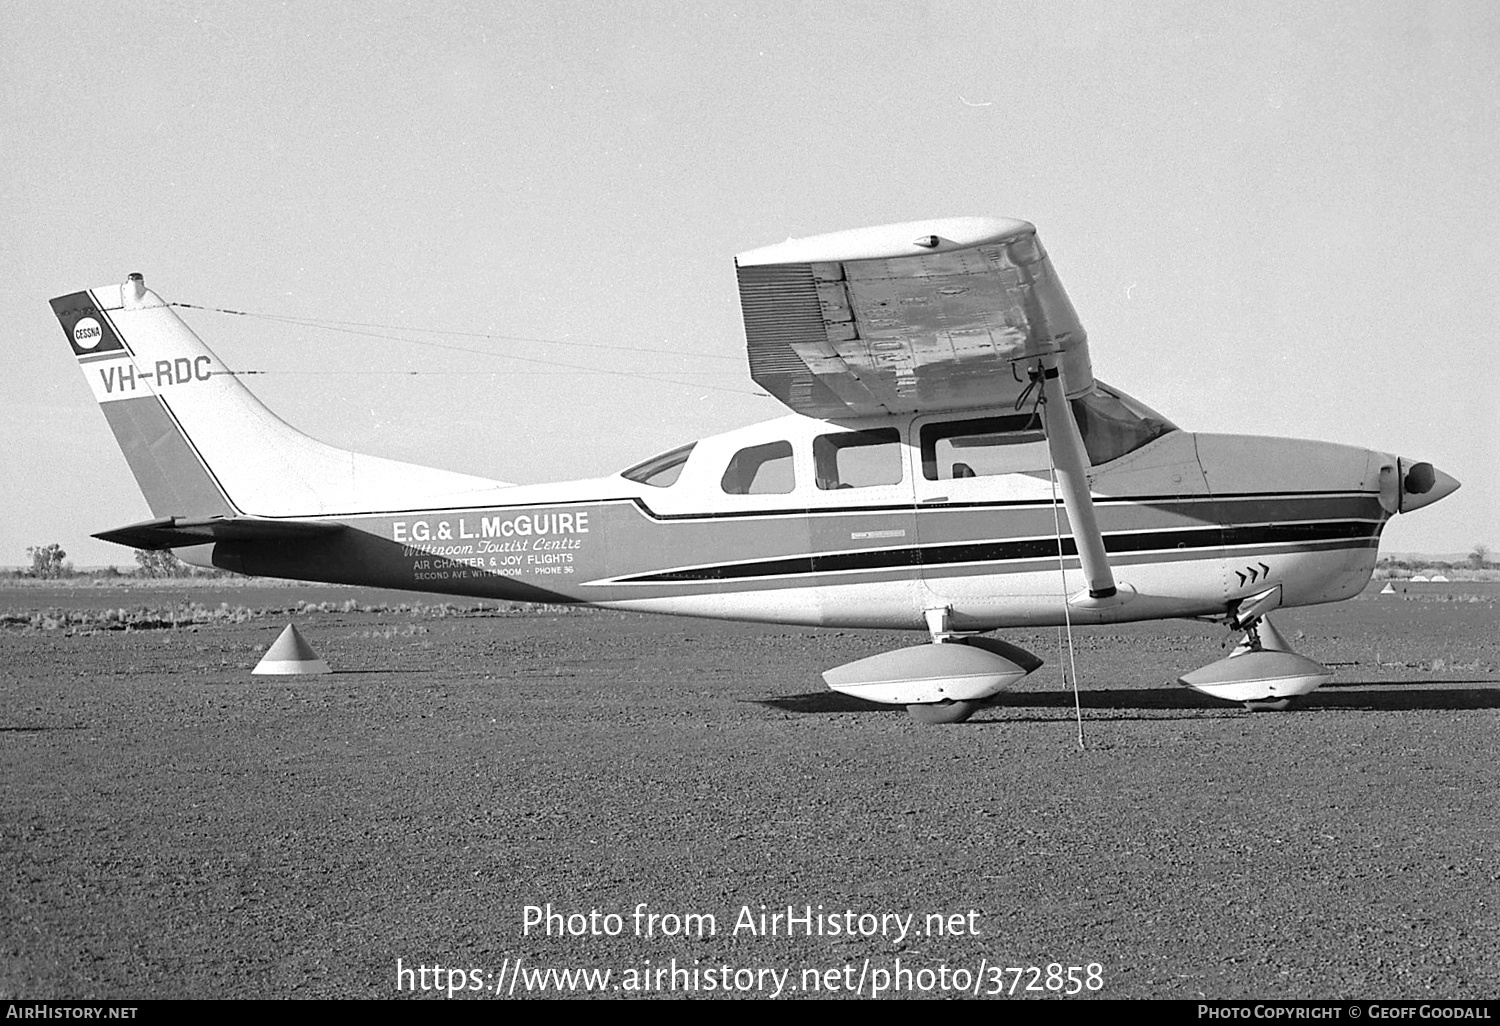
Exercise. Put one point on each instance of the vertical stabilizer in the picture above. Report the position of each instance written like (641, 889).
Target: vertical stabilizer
(197, 440)
(170, 474)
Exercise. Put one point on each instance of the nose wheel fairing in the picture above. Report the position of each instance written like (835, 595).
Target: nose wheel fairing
(1262, 671)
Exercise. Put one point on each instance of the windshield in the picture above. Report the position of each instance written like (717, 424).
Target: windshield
(1113, 424)
(660, 471)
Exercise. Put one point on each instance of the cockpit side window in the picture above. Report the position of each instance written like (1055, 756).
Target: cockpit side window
(983, 447)
(1113, 424)
(660, 471)
(761, 470)
(858, 459)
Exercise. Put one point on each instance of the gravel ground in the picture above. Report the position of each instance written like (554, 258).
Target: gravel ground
(171, 826)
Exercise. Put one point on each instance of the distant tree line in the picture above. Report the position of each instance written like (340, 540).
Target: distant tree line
(160, 563)
(50, 562)
(1477, 559)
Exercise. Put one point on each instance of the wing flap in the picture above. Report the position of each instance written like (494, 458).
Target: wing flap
(177, 532)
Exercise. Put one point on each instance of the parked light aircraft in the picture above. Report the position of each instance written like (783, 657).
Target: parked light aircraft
(950, 464)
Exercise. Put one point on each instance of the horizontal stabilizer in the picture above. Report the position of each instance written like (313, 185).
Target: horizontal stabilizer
(178, 532)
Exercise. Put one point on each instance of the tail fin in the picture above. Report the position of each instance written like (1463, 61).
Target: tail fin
(201, 445)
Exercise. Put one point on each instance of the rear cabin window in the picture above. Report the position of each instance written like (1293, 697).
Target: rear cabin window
(983, 447)
(761, 470)
(858, 459)
(660, 471)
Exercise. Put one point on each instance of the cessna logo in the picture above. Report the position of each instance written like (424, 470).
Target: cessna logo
(87, 334)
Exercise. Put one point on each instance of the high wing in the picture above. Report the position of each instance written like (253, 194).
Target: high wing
(924, 316)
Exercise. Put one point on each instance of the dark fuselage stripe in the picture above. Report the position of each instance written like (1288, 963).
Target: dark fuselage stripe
(1008, 551)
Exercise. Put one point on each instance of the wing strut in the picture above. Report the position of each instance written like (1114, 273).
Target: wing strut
(1071, 460)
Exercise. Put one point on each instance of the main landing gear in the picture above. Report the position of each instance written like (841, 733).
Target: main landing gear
(1262, 672)
(935, 713)
(941, 682)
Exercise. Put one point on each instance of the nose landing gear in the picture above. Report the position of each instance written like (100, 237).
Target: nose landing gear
(1262, 672)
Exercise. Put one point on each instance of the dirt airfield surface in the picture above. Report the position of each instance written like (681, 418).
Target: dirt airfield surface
(171, 826)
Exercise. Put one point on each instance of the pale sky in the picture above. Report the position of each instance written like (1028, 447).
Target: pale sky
(1275, 219)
